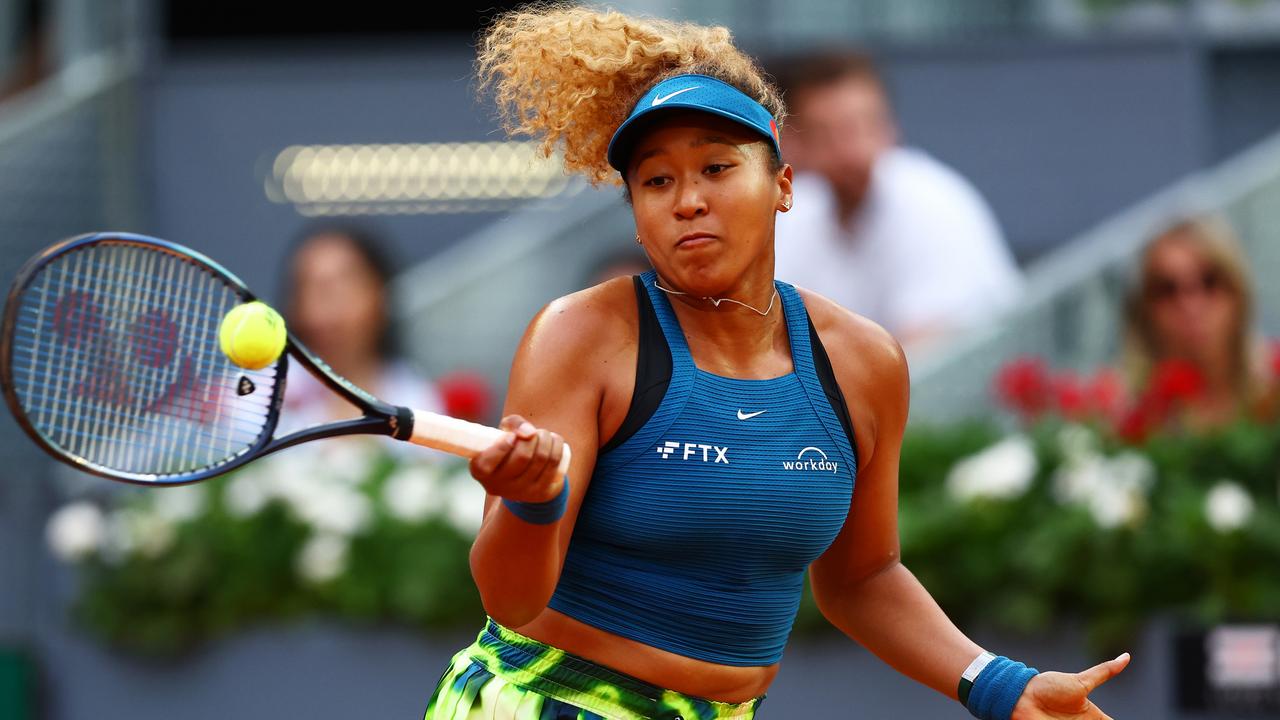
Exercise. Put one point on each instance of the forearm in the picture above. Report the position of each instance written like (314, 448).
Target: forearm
(516, 565)
(892, 615)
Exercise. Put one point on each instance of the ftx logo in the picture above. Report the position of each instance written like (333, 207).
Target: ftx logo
(694, 451)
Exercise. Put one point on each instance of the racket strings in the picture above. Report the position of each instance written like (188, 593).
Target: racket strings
(115, 361)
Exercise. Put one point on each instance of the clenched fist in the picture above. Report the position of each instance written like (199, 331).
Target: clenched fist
(524, 465)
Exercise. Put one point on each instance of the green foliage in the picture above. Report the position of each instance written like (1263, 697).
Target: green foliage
(1023, 563)
(1098, 533)
(222, 571)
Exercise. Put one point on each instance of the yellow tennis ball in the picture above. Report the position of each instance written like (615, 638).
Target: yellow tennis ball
(252, 335)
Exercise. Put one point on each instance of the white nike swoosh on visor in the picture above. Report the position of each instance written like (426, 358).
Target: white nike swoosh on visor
(748, 416)
(663, 98)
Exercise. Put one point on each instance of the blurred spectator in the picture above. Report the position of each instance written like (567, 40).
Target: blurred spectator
(1190, 339)
(886, 231)
(336, 303)
(30, 60)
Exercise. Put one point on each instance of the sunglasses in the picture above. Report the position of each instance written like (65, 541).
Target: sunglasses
(1209, 282)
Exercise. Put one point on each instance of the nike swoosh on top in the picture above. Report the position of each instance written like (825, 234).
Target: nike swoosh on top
(748, 416)
(663, 98)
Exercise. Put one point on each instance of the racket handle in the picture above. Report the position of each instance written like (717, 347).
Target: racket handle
(460, 437)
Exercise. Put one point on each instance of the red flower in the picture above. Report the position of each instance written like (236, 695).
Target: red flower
(1275, 358)
(1070, 397)
(1173, 383)
(1024, 386)
(1106, 394)
(466, 395)
(1175, 380)
(1135, 425)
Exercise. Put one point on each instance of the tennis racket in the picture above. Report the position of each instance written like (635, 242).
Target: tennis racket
(109, 359)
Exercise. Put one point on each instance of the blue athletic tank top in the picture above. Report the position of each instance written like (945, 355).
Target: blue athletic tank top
(704, 513)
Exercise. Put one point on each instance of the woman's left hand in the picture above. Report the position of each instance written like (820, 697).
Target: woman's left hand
(1065, 696)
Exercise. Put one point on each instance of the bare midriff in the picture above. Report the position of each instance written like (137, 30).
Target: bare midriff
(686, 675)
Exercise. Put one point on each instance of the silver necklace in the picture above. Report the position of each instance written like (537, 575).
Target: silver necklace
(716, 301)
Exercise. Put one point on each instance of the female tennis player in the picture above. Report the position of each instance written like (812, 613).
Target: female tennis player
(729, 431)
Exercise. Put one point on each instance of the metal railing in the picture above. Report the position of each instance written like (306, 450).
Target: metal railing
(66, 154)
(483, 293)
(775, 24)
(66, 164)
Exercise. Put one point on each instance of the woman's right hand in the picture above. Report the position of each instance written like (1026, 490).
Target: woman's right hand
(524, 465)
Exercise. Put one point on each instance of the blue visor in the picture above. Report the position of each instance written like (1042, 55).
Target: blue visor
(692, 92)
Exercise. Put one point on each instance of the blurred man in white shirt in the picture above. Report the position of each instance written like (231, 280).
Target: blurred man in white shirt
(887, 231)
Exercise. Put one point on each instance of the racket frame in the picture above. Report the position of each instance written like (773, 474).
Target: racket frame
(378, 418)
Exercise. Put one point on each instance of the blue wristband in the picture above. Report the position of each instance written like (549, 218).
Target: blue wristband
(543, 513)
(997, 688)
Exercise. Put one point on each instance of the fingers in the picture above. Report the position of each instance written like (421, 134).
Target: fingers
(553, 459)
(1102, 672)
(545, 468)
(523, 464)
(518, 460)
(511, 422)
(487, 461)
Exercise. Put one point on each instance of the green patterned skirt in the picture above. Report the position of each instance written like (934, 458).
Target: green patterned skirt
(507, 676)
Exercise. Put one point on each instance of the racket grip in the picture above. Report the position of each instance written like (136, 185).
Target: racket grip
(461, 437)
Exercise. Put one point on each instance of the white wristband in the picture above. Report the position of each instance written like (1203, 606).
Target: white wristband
(971, 673)
(976, 667)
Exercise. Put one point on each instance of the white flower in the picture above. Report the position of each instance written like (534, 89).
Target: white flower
(118, 542)
(1228, 506)
(414, 493)
(245, 494)
(347, 460)
(1112, 506)
(294, 485)
(1002, 471)
(322, 558)
(75, 531)
(1114, 489)
(151, 534)
(1132, 471)
(130, 531)
(466, 505)
(179, 504)
(1077, 443)
(155, 534)
(1085, 477)
(336, 509)
(1077, 481)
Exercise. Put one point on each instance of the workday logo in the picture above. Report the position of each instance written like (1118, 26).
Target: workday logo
(690, 451)
(811, 458)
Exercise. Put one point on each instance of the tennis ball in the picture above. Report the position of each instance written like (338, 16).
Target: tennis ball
(252, 335)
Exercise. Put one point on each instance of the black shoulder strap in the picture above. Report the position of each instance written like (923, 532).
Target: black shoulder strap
(827, 376)
(653, 371)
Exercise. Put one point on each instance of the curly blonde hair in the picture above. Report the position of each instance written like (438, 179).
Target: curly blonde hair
(569, 76)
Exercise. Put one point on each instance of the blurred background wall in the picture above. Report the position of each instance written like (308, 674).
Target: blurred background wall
(1080, 122)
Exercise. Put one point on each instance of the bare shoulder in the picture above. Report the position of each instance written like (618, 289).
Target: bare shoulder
(855, 341)
(868, 363)
(574, 332)
(586, 315)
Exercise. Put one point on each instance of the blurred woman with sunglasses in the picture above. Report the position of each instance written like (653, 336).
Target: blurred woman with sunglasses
(1190, 323)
